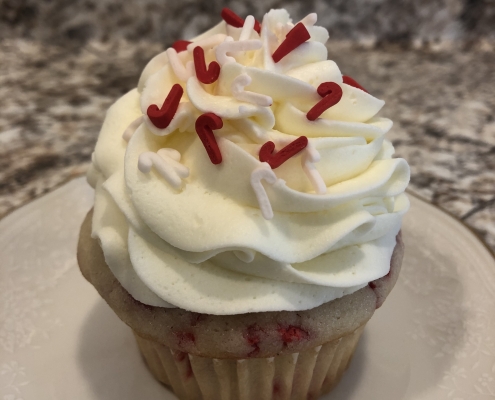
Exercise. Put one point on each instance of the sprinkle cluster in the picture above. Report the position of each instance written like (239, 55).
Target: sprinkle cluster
(166, 161)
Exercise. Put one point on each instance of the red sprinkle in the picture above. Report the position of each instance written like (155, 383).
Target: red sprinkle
(204, 75)
(231, 18)
(296, 37)
(276, 160)
(331, 93)
(161, 117)
(205, 125)
(181, 45)
(351, 82)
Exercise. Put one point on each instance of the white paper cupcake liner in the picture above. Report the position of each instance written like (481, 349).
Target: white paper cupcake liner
(298, 376)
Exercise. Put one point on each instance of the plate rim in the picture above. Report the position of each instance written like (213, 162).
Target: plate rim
(457, 218)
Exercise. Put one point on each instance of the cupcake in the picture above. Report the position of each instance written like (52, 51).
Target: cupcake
(247, 212)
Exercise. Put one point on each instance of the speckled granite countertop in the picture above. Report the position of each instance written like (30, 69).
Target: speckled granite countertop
(53, 100)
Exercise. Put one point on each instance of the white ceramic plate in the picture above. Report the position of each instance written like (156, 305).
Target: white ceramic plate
(433, 339)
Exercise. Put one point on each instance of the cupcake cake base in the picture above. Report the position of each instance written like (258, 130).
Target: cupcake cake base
(269, 355)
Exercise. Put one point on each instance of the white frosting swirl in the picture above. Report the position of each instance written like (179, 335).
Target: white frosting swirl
(199, 241)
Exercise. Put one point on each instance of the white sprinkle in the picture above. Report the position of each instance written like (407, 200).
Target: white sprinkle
(309, 157)
(310, 19)
(263, 172)
(229, 46)
(132, 128)
(166, 162)
(207, 43)
(247, 28)
(171, 153)
(238, 85)
(183, 73)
